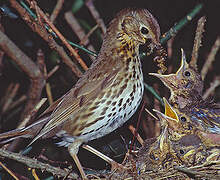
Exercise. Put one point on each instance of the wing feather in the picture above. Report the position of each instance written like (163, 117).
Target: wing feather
(81, 94)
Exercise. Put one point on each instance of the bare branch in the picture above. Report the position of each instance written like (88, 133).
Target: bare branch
(34, 163)
(197, 41)
(211, 58)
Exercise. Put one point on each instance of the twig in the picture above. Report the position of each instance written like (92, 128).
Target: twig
(34, 174)
(53, 34)
(139, 138)
(170, 53)
(151, 114)
(16, 103)
(52, 71)
(95, 14)
(196, 173)
(49, 94)
(9, 171)
(33, 112)
(197, 41)
(170, 47)
(40, 60)
(210, 58)
(174, 30)
(62, 38)
(84, 39)
(46, 36)
(207, 163)
(28, 66)
(23, 61)
(138, 125)
(7, 94)
(34, 163)
(56, 10)
(75, 26)
(212, 87)
(10, 97)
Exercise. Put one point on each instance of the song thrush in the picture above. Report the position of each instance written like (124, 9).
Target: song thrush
(206, 125)
(185, 85)
(109, 93)
(188, 147)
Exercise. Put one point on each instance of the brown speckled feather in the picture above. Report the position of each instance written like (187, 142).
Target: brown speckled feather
(82, 93)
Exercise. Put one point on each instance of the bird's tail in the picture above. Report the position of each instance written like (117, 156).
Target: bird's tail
(26, 132)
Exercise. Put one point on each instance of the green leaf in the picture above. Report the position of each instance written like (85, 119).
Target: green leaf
(77, 5)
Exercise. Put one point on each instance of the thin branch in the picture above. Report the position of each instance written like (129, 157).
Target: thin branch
(136, 134)
(49, 93)
(212, 87)
(196, 173)
(211, 58)
(45, 35)
(34, 16)
(52, 71)
(151, 114)
(78, 30)
(7, 94)
(175, 29)
(28, 66)
(56, 10)
(34, 163)
(95, 14)
(20, 58)
(9, 171)
(32, 112)
(10, 97)
(62, 38)
(16, 103)
(84, 39)
(197, 41)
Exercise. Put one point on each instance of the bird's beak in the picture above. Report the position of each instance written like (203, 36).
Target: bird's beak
(166, 79)
(170, 117)
(192, 151)
(184, 65)
(169, 111)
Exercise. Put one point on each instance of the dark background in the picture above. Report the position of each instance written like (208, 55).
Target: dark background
(115, 145)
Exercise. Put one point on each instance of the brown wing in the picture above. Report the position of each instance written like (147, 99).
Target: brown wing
(97, 78)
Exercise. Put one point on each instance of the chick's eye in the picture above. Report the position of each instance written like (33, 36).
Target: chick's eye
(144, 30)
(187, 73)
(183, 119)
(181, 151)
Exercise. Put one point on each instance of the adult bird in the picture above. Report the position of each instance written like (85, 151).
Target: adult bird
(107, 94)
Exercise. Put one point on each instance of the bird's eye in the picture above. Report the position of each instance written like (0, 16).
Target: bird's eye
(144, 30)
(183, 119)
(187, 73)
(181, 151)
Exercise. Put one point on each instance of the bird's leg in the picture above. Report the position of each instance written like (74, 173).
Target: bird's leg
(114, 164)
(73, 150)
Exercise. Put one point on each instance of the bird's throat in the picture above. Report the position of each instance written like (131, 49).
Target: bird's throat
(126, 46)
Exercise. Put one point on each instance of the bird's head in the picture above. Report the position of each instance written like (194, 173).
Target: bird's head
(137, 26)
